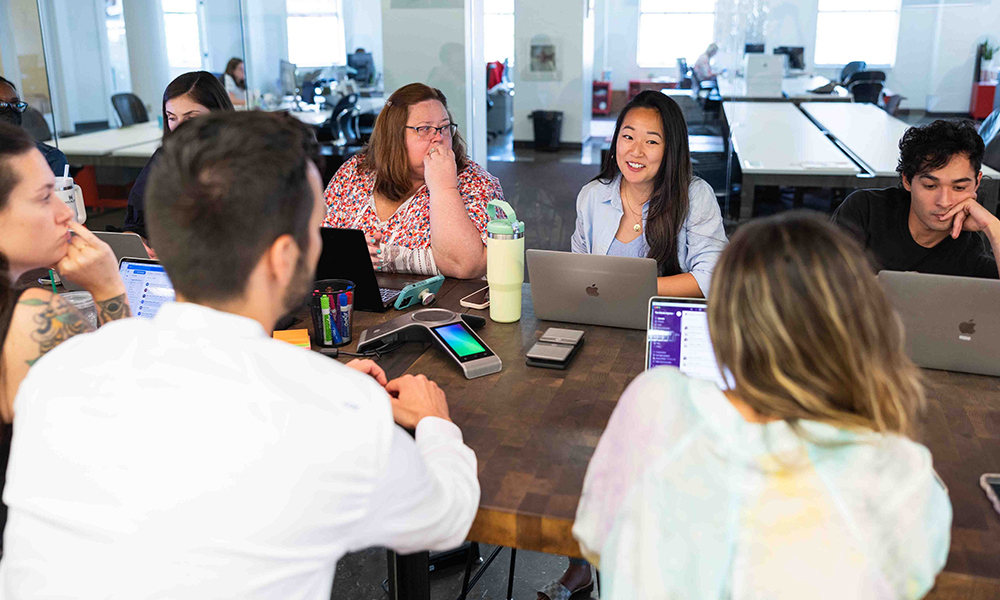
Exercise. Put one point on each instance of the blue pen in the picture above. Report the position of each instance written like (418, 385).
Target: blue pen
(343, 308)
(337, 340)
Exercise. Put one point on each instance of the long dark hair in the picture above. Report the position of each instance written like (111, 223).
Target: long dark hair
(668, 204)
(203, 88)
(231, 69)
(14, 142)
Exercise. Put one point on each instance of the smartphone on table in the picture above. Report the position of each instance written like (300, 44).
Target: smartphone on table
(479, 299)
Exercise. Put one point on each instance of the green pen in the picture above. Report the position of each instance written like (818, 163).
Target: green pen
(324, 304)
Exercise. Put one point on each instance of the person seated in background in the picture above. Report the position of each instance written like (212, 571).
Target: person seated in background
(188, 96)
(647, 203)
(413, 191)
(703, 66)
(800, 480)
(933, 223)
(196, 454)
(235, 81)
(12, 111)
(35, 228)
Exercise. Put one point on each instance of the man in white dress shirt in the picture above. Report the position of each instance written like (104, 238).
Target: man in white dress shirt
(191, 455)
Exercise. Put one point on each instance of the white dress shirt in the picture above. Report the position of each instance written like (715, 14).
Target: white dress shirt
(192, 456)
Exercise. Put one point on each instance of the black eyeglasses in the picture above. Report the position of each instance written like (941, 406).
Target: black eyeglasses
(15, 106)
(426, 131)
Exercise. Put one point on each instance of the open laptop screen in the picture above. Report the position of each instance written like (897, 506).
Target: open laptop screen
(678, 336)
(146, 285)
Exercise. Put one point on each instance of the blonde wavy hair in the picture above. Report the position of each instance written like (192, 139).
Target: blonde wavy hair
(799, 321)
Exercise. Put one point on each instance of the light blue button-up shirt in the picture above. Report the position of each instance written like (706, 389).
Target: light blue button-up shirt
(699, 241)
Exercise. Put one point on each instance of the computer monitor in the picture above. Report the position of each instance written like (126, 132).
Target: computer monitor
(364, 64)
(753, 49)
(287, 76)
(795, 54)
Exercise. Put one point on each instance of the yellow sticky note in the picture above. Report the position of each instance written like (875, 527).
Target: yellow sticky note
(296, 337)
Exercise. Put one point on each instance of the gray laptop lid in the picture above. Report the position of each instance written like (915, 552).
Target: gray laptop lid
(952, 323)
(124, 245)
(591, 288)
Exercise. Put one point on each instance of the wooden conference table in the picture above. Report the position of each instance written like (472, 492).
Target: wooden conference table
(817, 144)
(534, 431)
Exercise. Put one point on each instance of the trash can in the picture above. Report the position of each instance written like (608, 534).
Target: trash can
(548, 129)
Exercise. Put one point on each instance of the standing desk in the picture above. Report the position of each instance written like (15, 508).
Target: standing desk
(872, 136)
(777, 145)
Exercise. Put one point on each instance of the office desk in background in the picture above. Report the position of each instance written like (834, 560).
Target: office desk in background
(534, 431)
(777, 145)
(96, 148)
(872, 136)
(793, 89)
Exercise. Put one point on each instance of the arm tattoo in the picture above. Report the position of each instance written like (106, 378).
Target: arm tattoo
(113, 309)
(54, 324)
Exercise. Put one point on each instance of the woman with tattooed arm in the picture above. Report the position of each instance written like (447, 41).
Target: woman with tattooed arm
(35, 232)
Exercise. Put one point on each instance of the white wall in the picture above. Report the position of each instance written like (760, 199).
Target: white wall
(147, 52)
(363, 28)
(426, 45)
(564, 23)
(224, 37)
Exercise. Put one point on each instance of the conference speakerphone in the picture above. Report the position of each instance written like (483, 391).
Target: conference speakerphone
(447, 329)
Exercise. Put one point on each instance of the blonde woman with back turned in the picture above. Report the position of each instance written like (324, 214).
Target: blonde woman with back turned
(800, 480)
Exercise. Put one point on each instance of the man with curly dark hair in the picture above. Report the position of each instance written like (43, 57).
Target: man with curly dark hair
(932, 223)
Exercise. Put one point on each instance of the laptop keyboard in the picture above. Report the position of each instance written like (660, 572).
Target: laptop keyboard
(388, 295)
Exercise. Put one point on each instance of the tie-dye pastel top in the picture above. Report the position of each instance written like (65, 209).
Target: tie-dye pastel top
(684, 498)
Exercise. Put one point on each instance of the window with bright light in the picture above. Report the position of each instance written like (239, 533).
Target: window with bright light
(315, 33)
(180, 21)
(498, 31)
(672, 29)
(849, 30)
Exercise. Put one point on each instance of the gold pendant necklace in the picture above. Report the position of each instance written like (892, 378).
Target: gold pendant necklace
(637, 227)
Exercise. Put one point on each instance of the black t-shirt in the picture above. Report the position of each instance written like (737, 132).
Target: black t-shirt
(880, 220)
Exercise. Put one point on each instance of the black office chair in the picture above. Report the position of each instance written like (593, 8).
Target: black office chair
(684, 74)
(130, 109)
(852, 67)
(990, 132)
(866, 86)
(344, 121)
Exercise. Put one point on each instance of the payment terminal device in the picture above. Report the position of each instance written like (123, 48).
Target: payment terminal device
(448, 330)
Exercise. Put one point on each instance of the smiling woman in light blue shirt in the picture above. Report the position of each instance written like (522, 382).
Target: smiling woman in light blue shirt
(647, 203)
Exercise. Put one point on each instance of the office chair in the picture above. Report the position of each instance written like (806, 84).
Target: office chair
(130, 109)
(866, 86)
(344, 121)
(850, 68)
(890, 101)
(684, 74)
(990, 132)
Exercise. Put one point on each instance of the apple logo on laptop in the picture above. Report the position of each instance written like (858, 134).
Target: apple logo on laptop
(592, 291)
(968, 327)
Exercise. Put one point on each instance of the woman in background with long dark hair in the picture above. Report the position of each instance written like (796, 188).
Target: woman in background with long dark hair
(189, 96)
(647, 203)
(234, 78)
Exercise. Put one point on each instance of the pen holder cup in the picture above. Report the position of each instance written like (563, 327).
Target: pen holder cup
(332, 310)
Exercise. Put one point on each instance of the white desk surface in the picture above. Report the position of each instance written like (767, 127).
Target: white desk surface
(139, 150)
(776, 138)
(870, 132)
(105, 142)
(792, 89)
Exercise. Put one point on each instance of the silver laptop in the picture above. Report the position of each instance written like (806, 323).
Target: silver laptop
(677, 336)
(952, 323)
(591, 288)
(122, 244)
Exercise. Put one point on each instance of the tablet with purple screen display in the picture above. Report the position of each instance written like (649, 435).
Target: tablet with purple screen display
(677, 336)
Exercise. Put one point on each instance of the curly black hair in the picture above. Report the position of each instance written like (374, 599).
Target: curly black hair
(930, 147)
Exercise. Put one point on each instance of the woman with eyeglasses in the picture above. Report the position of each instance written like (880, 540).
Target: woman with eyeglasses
(12, 111)
(419, 199)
